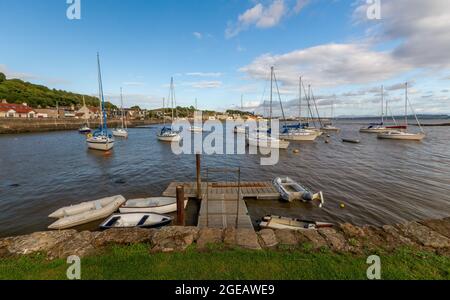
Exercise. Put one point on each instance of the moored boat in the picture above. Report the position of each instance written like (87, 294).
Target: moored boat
(277, 222)
(84, 129)
(264, 141)
(85, 212)
(167, 134)
(139, 220)
(159, 205)
(122, 131)
(351, 141)
(291, 191)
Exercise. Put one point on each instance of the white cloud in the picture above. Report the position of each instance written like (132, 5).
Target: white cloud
(261, 16)
(328, 65)
(198, 35)
(203, 74)
(206, 84)
(133, 83)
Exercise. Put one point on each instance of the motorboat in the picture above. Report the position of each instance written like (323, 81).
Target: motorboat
(291, 191)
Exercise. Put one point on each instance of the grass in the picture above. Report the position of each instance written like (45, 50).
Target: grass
(135, 262)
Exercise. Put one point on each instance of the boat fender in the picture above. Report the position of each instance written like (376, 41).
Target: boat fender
(307, 197)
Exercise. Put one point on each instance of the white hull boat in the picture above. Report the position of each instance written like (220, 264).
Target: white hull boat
(196, 129)
(300, 135)
(264, 141)
(133, 220)
(120, 133)
(169, 137)
(378, 129)
(291, 191)
(159, 205)
(85, 212)
(400, 135)
(239, 129)
(276, 222)
(101, 142)
(330, 128)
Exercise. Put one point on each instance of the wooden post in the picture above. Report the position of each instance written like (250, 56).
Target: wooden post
(199, 179)
(180, 205)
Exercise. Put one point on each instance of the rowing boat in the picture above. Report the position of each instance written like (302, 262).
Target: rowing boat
(276, 222)
(139, 220)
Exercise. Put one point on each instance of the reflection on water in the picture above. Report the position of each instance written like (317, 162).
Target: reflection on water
(379, 181)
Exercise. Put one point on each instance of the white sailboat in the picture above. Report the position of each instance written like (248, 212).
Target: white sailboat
(122, 131)
(85, 129)
(193, 128)
(330, 127)
(101, 139)
(167, 134)
(377, 127)
(404, 135)
(298, 134)
(263, 139)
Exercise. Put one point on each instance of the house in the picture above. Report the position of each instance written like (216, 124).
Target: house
(44, 113)
(8, 110)
(87, 113)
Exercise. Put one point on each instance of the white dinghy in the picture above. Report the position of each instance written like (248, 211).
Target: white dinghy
(85, 212)
(159, 205)
(276, 222)
(140, 220)
(291, 190)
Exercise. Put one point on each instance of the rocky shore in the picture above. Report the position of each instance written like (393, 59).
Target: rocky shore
(430, 235)
(15, 126)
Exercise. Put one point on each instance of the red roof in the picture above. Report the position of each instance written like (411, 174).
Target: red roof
(18, 108)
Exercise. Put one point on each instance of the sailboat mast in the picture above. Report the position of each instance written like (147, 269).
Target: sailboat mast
(164, 111)
(300, 100)
(271, 92)
(101, 97)
(382, 104)
(171, 94)
(121, 107)
(406, 103)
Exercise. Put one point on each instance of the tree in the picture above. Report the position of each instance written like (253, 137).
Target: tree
(2, 77)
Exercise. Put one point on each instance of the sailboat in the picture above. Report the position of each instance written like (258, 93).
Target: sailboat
(167, 134)
(377, 127)
(330, 127)
(85, 129)
(101, 139)
(194, 128)
(262, 138)
(121, 132)
(298, 133)
(404, 135)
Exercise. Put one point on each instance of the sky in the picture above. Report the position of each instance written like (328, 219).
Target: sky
(220, 50)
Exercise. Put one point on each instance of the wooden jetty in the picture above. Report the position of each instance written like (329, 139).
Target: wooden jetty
(223, 205)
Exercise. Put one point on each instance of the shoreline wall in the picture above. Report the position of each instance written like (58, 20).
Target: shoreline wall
(15, 126)
(429, 235)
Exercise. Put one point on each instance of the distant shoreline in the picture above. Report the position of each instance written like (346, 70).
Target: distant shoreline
(18, 126)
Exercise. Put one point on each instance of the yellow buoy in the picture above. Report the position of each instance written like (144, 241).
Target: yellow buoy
(342, 205)
(296, 151)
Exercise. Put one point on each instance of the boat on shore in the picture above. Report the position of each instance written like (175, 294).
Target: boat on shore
(85, 212)
(277, 222)
(136, 220)
(159, 205)
(291, 191)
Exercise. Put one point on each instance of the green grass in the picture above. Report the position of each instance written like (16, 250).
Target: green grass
(135, 262)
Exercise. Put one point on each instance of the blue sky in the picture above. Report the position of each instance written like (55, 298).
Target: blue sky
(219, 49)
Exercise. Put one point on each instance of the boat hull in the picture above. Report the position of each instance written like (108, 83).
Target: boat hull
(143, 206)
(175, 138)
(136, 220)
(276, 222)
(299, 137)
(404, 137)
(86, 212)
(100, 146)
(120, 133)
(280, 144)
(373, 130)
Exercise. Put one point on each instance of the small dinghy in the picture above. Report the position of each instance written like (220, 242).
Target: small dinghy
(140, 220)
(85, 212)
(276, 222)
(351, 141)
(159, 205)
(291, 190)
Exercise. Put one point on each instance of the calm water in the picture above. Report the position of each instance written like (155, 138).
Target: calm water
(379, 181)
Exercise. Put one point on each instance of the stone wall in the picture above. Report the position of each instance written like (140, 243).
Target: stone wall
(12, 126)
(431, 235)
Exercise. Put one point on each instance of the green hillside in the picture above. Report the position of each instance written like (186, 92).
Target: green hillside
(18, 91)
